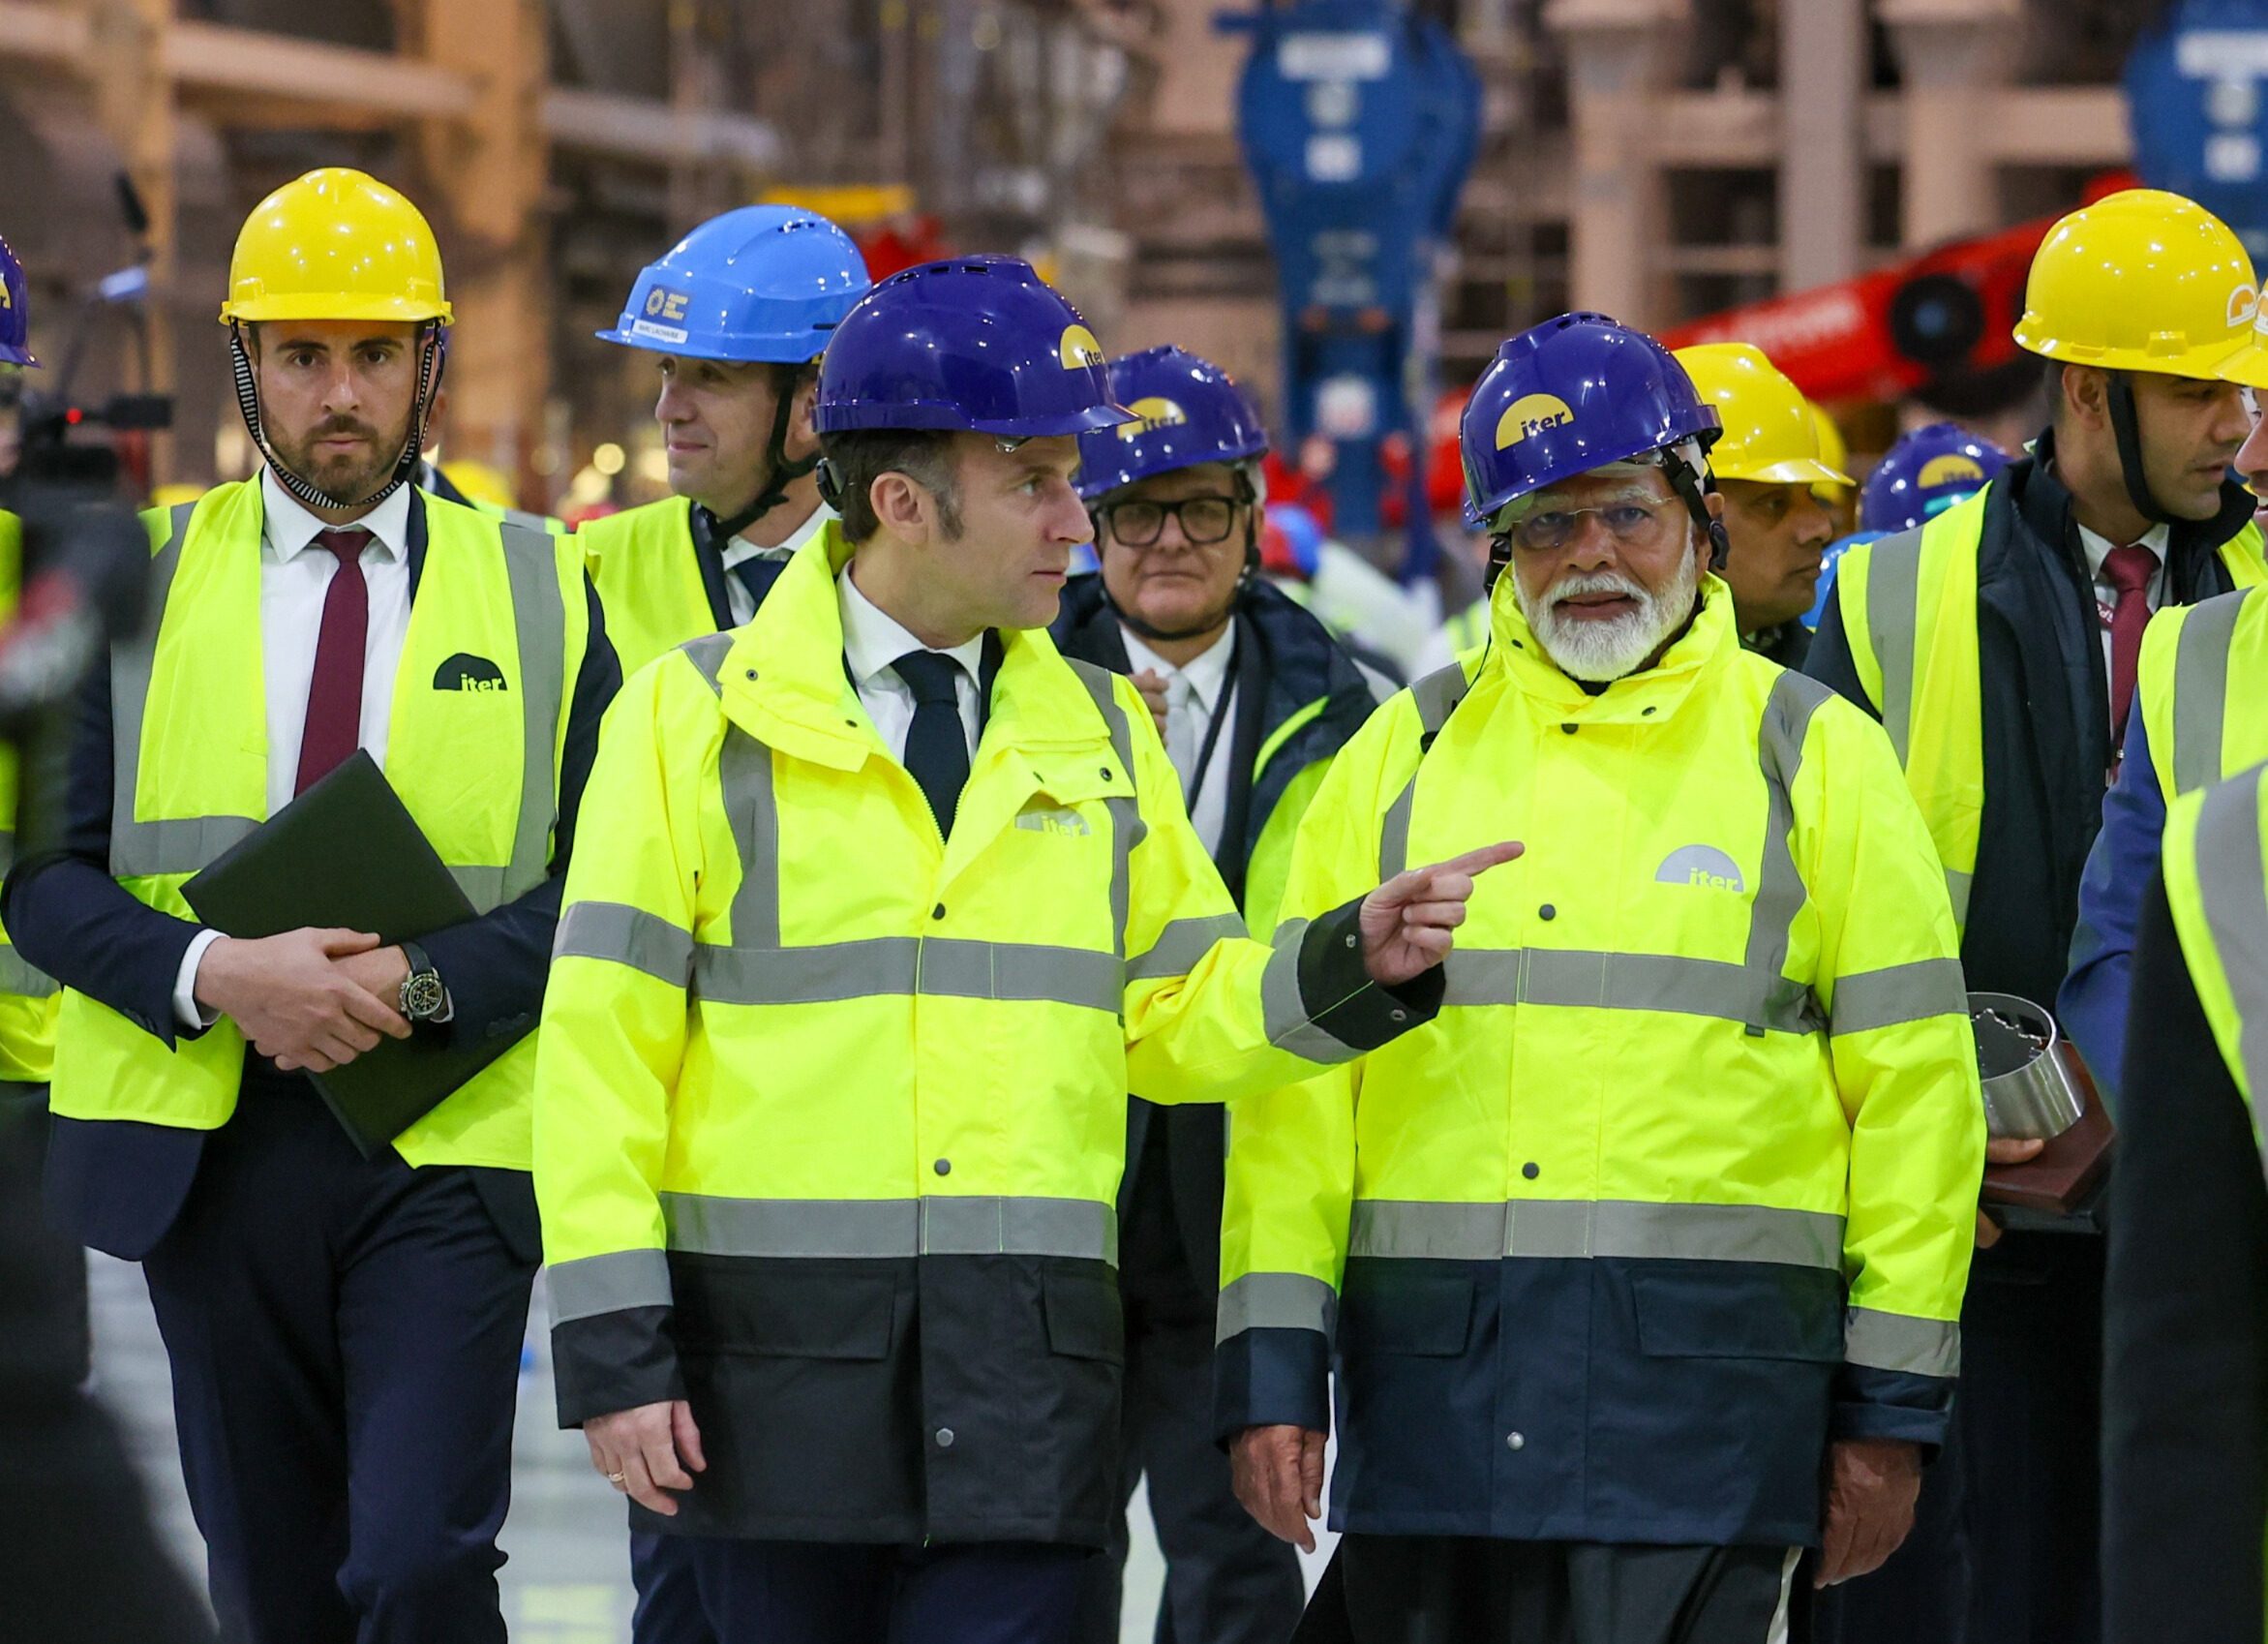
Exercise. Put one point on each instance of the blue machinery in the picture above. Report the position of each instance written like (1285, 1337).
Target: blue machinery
(1359, 120)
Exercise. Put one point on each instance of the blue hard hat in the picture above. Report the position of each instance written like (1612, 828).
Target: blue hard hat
(15, 311)
(1825, 591)
(1570, 395)
(1187, 410)
(1926, 474)
(762, 283)
(974, 342)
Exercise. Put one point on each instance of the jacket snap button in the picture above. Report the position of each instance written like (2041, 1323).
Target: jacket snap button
(1512, 1440)
(751, 673)
(1106, 772)
(1400, 1016)
(1353, 941)
(945, 1438)
(1547, 911)
(1532, 1169)
(1568, 727)
(945, 1166)
(937, 912)
(1645, 713)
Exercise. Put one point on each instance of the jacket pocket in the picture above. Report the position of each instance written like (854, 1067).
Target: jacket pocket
(1739, 1314)
(797, 1315)
(1085, 1319)
(1387, 1309)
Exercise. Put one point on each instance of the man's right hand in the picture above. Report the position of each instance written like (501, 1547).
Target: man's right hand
(1278, 1474)
(291, 1002)
(639, 1452)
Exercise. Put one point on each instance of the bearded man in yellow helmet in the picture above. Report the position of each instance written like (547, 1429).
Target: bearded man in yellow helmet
(1999, 643)
(343, 1329)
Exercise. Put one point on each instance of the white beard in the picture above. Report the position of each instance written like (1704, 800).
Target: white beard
(1602, 651)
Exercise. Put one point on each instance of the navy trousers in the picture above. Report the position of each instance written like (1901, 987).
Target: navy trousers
(832, 1593)
(345, 1336)
(669, 1592)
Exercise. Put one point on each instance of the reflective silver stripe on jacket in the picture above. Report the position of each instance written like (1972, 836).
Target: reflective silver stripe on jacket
(757, 968)
(17, 977)
(1755, 992)
(1277, 1301)
(2235, 895)
(1893, 596)
(1895, 1341)
(976, 1224)
(1576, 1228)
(2201, 690)
(180, 845)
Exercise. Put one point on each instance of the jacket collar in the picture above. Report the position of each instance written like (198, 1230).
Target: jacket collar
(1517, 661)
(783, 681)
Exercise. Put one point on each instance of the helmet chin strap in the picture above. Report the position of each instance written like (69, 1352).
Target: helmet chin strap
(2127, 427)
(431, 358)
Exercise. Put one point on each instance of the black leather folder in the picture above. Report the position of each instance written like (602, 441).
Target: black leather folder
(347, 853)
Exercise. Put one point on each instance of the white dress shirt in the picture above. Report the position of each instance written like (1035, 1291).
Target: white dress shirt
(2098, 549)
(1193, 695)
(294, 577)
(873, 639)
(740, 549)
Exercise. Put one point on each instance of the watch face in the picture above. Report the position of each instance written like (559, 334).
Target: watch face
(422, 996)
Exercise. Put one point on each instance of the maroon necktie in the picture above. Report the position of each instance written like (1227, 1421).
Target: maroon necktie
(2129, 571)
(334, 697)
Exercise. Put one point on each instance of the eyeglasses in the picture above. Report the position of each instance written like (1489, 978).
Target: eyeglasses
(1632, 524)
(1138, 523)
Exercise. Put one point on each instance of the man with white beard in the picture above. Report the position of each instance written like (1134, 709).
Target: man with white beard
(1641, 1263)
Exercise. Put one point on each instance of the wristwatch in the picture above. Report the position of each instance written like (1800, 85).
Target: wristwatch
(423, 997)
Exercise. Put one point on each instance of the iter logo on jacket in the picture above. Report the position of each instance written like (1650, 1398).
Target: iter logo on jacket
(468, 672)
(1703, 867)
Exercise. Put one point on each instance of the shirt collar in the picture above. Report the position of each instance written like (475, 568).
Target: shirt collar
(740, 548)
(1207, 671)
(291, 528)
(872, 639)
(2098, 547)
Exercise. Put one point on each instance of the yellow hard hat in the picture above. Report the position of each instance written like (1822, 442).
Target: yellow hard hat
(335, 244)
(2143, 280)
(1769, 431)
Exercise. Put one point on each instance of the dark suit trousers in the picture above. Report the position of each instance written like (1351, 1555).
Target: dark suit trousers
(830, 1593)
(669, 1592)
(2003, 1548)
(1227, 1582)
(345, 1336)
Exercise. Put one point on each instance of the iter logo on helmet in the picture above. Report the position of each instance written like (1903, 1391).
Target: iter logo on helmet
(1532, 414)
(1152, 412)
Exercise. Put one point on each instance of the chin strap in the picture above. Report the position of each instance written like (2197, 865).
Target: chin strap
(2128, 429)
(431, 357)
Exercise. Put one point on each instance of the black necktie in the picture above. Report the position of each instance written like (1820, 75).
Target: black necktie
(937, 744)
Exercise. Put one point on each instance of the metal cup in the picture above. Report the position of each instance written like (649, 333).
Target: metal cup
(2029, 1095)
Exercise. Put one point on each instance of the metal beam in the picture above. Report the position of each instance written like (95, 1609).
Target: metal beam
(634, 128)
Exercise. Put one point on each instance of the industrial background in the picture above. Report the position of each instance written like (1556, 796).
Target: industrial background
(1660, 160)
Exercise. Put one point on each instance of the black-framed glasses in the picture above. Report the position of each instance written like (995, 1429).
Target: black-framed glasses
(1138, 523)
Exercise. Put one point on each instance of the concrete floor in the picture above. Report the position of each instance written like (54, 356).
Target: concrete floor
(567, 1580)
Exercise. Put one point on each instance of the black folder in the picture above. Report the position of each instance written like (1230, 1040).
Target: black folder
(347, 853)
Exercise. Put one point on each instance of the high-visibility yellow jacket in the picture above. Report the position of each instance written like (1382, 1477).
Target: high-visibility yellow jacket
(2216, 888)
(1908, 605)
(831, 1111)
(648, 574)
(1682, 1177)
(2196, 686)
(28, 999)
(478, 767)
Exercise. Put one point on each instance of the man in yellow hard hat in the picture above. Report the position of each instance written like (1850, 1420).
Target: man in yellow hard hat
(1769, 465)
(1999, 644)
(344, 1327)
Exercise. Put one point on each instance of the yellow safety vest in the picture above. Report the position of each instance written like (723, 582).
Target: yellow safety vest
(1714, 1013)
(1908, 607)
(2216, 870)
(786, 1020)
(647, 574)
(28, 1000)
(2198, 684)
(477, 768)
